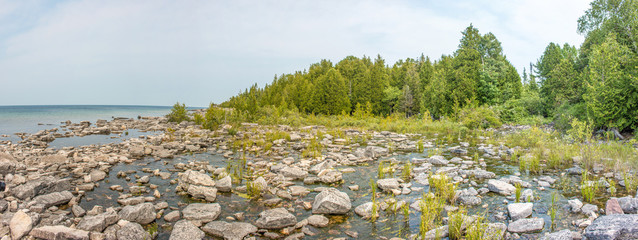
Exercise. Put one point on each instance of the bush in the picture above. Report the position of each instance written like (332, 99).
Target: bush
(565, 113)
(178, 113)
(479, 117)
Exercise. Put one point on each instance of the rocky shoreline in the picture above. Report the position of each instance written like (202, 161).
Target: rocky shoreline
(46, 188)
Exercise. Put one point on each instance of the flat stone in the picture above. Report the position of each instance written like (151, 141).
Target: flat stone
(298, 190)
(20, 224)
(613, 207)
(59, 232)
(202, 192)
(520, 210)
(615, 226)
(142, 213)
(561, 235)
(438, 160)
(185, 229)
(98, 223)
(331, 201)
(225, 184)
(44, 185)
(526, 225)
(54, 199)
(229, 231)
(172, 216)
(97, 175)
(133, 231)
(388, 184)
(204, 212)
(294, 172)
(364, 210)
(501, 187)
(318, 221)
(275, 219)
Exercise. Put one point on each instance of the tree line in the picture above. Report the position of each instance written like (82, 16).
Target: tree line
(596, 83)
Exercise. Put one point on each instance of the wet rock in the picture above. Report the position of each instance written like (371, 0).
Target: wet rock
(298, 190)
(561, 235)
(275, 219)
(142, 213)
(613, 207)
(131, 201)
(98, 223)
(375, 152)
(331, 201)
(185, 229)
(469, 200)
(41, 186)
(318, 221)
(576, 170)
(629, 205)
(589, 208)
(204, 212)
(133, 231)
(96, 175)
(438, 160)
(527, 195)
(364, 210)
(225, 184)
(7, 165)
(229, 231)
(59, 232)
(20, 224)
(78, 211)
(330, 176)
(613, 227)
(388, 184)
(325, 165)
(526, 225)
(191, 177)
(520, 210)
(294, 172)
(575, 205)
(501, 187)
(172, 216)
(202, 192)
(495, 231)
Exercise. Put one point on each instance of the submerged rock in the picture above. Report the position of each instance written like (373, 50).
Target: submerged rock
(501, 187)
(185, 229)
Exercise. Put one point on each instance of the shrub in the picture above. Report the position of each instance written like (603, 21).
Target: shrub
(178, 113)
(479, 117)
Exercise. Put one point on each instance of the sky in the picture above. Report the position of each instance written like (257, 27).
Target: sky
(158, 52)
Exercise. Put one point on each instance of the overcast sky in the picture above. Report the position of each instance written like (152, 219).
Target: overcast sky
(157, 52)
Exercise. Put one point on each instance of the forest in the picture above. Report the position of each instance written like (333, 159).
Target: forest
(595, 83)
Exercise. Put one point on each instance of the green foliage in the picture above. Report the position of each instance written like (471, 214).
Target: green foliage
(178, 113)
(331, 96)
(455, 223)
(443, 186)
(553, 210)
(630, 182)
(518, 192)
(375, 205)
(430, 207)
(479, 117)
(588, 188)
(253, 189)
(580, 131)
(406, 173)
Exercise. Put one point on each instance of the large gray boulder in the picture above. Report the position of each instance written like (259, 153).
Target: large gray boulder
(98, 223)
(629, 205)
(520, 210)
(500, 187)
(615, 226)
(229, 231)
(54, 199)
(526, 225)
(143, 213)
(561, 235)
(191, 177)
(203, 212)
(275, 219)
(59, 232)
(132, 231)
(202, 192)
(225, 184)
(185, 229)
(44, 185)
(331, 201)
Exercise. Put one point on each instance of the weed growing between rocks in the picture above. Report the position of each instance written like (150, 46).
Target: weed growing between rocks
(518, 192)
(588, 188)
(406, 173)
(455, 223)
(444, 188)
(553, 209)
(375, 205)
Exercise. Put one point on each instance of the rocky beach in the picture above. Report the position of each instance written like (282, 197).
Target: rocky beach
(179, 181)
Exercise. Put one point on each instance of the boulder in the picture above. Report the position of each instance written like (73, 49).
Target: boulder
(20, 224)
(388, 184)
(438, 160)
(331, 201)
(225, 184)
(44, 185)
(133, 231)
(501, 187)
(589, 208)
(629, 205)
(575, 205)
(561, 235)
(143, 213)
(172, 216)
(615, 226)
(519, 210)
(97, 175)
(375, 152)
(54, 199)
(330, 176)
(229, 231)
(364, 210)
(98, 223)
(201, 192)
(191, 177)
(7, 165)
(293, 172)
(203, 212)
(613, 207)
(318, 221)
(59, 232)
(185, 229)
(275, 219)
(526, 225)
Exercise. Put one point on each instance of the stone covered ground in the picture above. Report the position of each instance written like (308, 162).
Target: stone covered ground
(278, 182)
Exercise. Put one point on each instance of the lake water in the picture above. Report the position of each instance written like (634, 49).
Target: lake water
(31, 119)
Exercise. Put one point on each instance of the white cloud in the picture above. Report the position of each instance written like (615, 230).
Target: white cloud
(158, 52)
